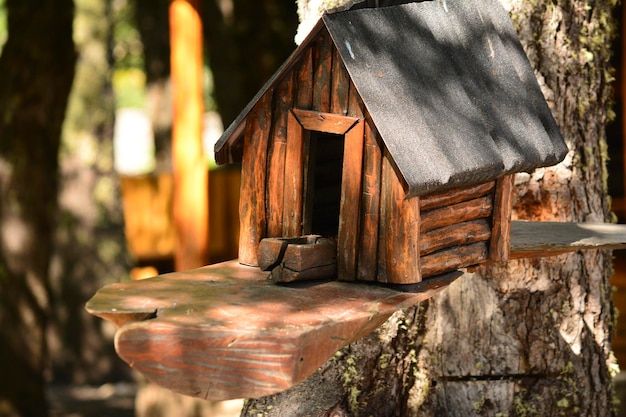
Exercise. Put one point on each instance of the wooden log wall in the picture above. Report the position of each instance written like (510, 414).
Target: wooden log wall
(456, 228)
(383, 236)
(276, 155)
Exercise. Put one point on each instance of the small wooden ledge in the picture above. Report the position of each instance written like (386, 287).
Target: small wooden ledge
(225, 331)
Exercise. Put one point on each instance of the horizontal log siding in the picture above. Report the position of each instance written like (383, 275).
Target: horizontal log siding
(456, 228)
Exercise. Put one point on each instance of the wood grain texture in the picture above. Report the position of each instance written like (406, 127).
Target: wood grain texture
(224, 331)
(370, 206)
(304, 100)
(532, 239)
(387, 178)
(271, 251)
(324, 122)
(294, 181)
(402, 222)
(454, 235)
(500, 245)
(322, 64)
(283, 101)
(454, 258)
(304, 79)
(340, 86)
(252, 213)
(456, 195)
(298, 259)
(347, 240)
(468, 210)
(356, 108)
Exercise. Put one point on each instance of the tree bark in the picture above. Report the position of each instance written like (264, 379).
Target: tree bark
(37, 67)
(529, 337)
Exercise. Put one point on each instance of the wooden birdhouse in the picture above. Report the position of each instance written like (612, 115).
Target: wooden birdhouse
(395, 132)
(383, 150)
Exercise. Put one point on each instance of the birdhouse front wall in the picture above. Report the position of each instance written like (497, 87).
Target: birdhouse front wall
(313, 106)
(312, 154)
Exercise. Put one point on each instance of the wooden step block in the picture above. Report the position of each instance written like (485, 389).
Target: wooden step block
(302, 258)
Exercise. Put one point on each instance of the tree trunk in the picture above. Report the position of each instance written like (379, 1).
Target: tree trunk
(37, 67)
(89, 248)
(531, 337)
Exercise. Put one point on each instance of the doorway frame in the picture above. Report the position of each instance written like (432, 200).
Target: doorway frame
(352, 129)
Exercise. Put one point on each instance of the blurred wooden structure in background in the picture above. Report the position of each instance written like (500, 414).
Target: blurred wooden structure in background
(149, 223)
(190, 209)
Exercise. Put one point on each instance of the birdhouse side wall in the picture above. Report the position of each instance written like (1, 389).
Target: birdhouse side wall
(420, 237)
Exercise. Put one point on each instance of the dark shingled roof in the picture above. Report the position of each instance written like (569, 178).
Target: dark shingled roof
(449, 88)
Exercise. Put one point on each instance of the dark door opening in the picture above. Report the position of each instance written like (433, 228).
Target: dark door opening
(323, 184)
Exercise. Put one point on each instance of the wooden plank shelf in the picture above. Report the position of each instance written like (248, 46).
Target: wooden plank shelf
(225, 331)
(532, 239)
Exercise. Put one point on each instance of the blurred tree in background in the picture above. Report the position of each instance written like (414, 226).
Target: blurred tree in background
(37, 67)
(66, 66)
(89, 247)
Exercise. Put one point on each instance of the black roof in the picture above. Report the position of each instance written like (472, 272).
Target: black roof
(447, 85)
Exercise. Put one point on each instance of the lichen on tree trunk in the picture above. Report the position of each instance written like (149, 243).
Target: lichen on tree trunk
(531, 337)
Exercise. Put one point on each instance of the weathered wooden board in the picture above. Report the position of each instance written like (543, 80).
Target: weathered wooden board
(283, 102)
(370, 206)
(530, 239)
(324, 122)
(456, 195)
(224, 331)
(452, 258)
(294, 178)
(322, 59)
(347, 244)
(477, 208)
(463, 233)
(253, 181)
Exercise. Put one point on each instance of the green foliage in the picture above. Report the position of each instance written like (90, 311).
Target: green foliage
(4, 31)
(129, 79)
(129, 86)
(127, 45)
